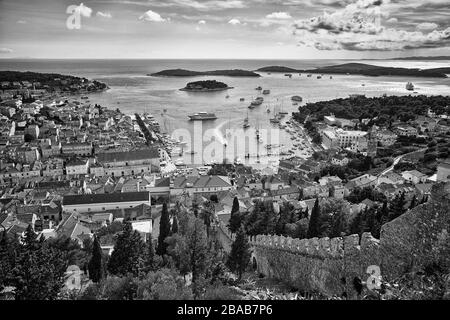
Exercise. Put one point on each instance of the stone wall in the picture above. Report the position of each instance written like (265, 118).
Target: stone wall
(320, 265)
(330, 266)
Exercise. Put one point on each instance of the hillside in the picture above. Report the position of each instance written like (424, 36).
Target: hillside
(364, 69)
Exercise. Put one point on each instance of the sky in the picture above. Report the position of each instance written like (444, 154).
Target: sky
(224, 29)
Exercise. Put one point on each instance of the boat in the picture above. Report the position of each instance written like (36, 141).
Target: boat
(227, 96)
(331, 77)
(242, 99)
(319, 77)
(246, 124)
(297, 98)
(258, 88)
(201, 116)
(268, 110)
(410, 86)
(260, 98)
(237, 161)
(179, 162)
(251, 106)
(266, 91)
(191, 152)
(256, 102)
(274, 120)
(309, 75)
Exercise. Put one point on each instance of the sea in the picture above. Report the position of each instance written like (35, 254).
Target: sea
(133, 90)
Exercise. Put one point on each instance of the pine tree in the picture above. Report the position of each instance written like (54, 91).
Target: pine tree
(314, 219)
(95, 266)
(235, 217)
(164, 231)
(240, 253)
(128, 252)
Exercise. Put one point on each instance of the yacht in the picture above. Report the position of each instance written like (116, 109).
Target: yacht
(410, 86)
(266, 91)
(319, 77)
(256, 102)
(309, 75)
(258, 88)
(242, 99)
(201, 116)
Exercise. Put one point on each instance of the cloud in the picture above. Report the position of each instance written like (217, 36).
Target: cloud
(357, 27)
(21, 22)
(6, 50)
(234, 21)
(83, 10)
(208, 5)
(279, 15)
(152, 16)
(427, 26)
(202, 22)
(104, 15)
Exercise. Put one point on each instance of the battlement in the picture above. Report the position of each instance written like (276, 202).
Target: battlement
(440, 193)
(321, 247)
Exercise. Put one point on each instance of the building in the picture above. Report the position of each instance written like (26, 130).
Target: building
(77, 166)
(333, 138)
(406, 131)
(202, 184)
(386, 138)
(78, 149)
(129, 163)
(104, 202)
(414, 176)
(443, 172)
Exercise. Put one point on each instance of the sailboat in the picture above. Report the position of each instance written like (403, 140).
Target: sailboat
(281, 112)
(246, 124)
(275, 117)
(228, 131)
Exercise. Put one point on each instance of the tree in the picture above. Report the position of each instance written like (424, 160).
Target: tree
(413, 203)
(174, 224)
(235, 218)
(355, 225)
(313, 227)
(240, 253)
(150, 259)
(164, 230)
(397, 206)
(95, 264)
(128, 252)
(6, 259)
(38, 272)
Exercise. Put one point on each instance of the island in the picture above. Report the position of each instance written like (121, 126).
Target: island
(49, 82)
(365, 70)
(206, 86)
(189, 73)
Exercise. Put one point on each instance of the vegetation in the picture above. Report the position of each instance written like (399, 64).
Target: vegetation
(240, 253)
(189, 73)
(382, 110)
(206, 85)
(364, 69)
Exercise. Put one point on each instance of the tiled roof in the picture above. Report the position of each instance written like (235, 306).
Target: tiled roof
(128, 156)
(106, 198)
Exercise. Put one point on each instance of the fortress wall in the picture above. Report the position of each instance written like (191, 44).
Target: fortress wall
(330, 266)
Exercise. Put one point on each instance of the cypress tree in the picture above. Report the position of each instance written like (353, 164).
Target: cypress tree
(164, 231)
(150, 254)
(240, 253)
(355, 226)
(95, 264)
(174, 224)
(413, 203)
(313, 227)
(235, 217)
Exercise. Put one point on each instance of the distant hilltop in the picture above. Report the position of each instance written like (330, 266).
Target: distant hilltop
(423, 58)
(364, 69)
(189, 73)
(206, 86)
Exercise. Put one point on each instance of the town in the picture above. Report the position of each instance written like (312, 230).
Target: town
(89, 181)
